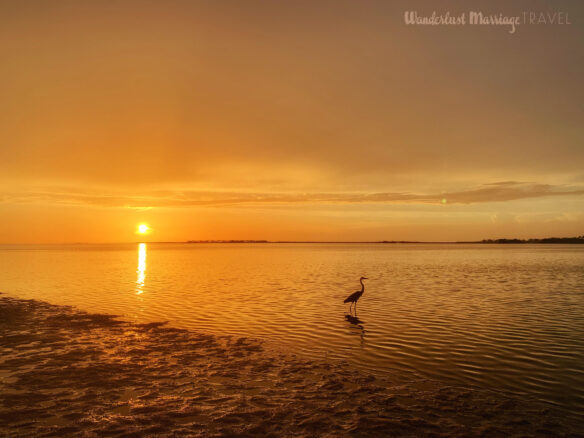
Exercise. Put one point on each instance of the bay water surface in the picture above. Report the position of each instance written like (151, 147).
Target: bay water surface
(506, 318)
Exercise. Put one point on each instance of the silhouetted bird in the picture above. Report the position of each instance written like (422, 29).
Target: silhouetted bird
(354, 297)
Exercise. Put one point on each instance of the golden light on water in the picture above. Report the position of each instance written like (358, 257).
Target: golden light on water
(141, 270)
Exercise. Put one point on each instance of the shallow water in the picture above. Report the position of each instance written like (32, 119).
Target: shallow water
(507, 318)
(64, 372)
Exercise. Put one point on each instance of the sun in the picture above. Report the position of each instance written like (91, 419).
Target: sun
(143, 229)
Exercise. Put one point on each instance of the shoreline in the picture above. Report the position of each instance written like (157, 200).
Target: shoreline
(65, 372)
(501, 241)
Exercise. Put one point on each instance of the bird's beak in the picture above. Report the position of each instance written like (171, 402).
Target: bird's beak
(365, 278)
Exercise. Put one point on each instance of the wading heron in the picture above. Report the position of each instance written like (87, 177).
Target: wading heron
(354, 297)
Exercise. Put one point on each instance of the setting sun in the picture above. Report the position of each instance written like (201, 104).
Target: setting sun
(143, 229)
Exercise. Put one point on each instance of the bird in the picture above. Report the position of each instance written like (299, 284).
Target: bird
(354, 297)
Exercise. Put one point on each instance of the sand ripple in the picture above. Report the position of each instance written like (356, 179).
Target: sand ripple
(68, 373)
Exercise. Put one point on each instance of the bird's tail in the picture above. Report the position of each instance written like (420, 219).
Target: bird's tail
(347, 300)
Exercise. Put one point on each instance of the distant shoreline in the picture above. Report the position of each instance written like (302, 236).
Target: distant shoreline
(547, 240)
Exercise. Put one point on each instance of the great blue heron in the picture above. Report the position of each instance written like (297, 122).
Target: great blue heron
(354, 297)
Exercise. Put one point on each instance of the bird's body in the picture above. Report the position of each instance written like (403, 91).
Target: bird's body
(354, 297)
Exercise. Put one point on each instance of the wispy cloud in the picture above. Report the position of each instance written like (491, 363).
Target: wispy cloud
(491, 192)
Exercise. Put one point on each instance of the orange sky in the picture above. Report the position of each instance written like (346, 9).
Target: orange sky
(299, 120)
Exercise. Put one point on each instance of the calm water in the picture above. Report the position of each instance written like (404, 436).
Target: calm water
(508, 318)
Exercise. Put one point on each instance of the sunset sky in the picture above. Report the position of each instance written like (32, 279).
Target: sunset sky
(296, 120)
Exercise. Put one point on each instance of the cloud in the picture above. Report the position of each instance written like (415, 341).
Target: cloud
(491, 192)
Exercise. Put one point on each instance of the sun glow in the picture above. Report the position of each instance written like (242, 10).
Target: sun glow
(143, 229)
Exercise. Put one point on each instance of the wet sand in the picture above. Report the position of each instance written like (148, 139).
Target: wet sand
(64, 372)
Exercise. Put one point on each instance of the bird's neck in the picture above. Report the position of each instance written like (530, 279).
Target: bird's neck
(362, 285)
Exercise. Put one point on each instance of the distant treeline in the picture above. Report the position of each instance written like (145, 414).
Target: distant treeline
(579, 239)
(227, 241)
(407, 241)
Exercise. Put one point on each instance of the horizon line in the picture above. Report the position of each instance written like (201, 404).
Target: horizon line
(262, 241)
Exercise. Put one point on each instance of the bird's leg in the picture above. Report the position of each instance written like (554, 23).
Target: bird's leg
(355, 308)
(350, 305)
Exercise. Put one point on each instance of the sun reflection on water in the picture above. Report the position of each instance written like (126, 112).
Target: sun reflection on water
(141, 270)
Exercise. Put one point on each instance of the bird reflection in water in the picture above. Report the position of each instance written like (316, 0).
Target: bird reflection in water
(353, 320)
(141, 270)
(356, 323)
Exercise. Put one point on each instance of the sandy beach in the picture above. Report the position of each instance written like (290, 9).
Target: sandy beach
(64, 372)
